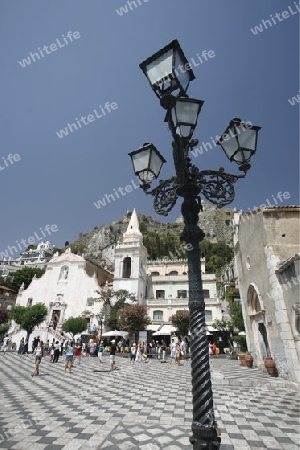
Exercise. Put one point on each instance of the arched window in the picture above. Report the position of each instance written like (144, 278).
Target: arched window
(155, 274)
(126, 267)
(29, 302)
(208, 315)
(64, 272)
(253, 299)
(173, 272)
(158, 315)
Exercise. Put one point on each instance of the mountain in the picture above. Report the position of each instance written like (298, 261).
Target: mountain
(160, 239)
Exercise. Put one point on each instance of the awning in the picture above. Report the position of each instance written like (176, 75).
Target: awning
(152, 327)
(209, 328)
(166, 330)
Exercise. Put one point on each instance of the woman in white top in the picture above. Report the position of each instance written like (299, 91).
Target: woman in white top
(39, 353)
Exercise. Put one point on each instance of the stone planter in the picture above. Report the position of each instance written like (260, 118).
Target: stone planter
(249, 360)
(270, 365)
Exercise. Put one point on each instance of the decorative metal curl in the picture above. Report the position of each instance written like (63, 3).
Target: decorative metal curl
(165, 196)
(217, 186)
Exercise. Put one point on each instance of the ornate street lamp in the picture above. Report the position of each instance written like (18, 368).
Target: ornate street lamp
(239, 142)
(167, 71)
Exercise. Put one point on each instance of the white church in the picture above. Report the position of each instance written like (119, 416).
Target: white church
(70, 287)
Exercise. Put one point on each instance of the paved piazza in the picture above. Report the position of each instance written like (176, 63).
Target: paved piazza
(142, 406)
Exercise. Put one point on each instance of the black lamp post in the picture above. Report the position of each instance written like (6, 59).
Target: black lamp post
(168, 71)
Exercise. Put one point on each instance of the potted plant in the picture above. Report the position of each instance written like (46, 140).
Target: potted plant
(249, 359)
(270, 365)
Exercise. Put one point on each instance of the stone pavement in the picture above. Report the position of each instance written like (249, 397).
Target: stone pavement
(142, 406)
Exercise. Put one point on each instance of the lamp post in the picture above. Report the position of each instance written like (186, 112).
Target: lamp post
(100, 320)
(168, 71)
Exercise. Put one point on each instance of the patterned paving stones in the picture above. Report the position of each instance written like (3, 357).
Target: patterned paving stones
(142, 406)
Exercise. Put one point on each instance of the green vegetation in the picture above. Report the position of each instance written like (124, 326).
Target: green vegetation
(24, 276)
(74, 325)
(181, 320)
(28, 317)
(217, 255)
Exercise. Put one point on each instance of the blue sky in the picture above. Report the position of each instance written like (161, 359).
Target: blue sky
(57, 180)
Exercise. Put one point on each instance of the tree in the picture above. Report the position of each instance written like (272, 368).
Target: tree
(235, 310)
(114, 321)
(181, 320)
(31, 247)
(28, 317)
(4, 321)
(226, 328)
(74, 325)
(134, 318)
(25, 276)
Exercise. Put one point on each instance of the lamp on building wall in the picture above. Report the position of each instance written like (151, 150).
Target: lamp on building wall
(168, 71)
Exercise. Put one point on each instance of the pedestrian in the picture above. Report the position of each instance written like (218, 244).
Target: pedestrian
(25, 349)
(153, 347)
(132, 353)
(138, 355)
(121, 348)
(69, 357)
(83, 349)
(112, 355)
(163, 349)
(214, 349)
(22, 342)
(39, 353)
(4, 347)
(56, 352)
(173, 350)
(77, 350)
(51, 353)
(47, 347)
(182, 348)
(100, 352)
(92, 346)
(177, 354)
(210, 348)
(158, 351)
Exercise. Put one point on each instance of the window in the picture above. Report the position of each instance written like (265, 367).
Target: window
(160, 294)
(182, 294)
(126, 267)
(29, 302)
(173, 272)
(64, 272)
(158, 315)
(208, 315)
(205, 293)
(155, 274)
(90, 301)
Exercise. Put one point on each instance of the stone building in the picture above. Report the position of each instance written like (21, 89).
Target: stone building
(266, 246)
(68, 289)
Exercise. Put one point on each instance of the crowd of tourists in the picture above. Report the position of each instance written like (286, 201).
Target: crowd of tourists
(139, 352)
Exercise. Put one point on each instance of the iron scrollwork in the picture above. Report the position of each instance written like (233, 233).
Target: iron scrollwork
(165, 195)
(217, 186)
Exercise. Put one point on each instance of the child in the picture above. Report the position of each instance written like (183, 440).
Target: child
(100, 351)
